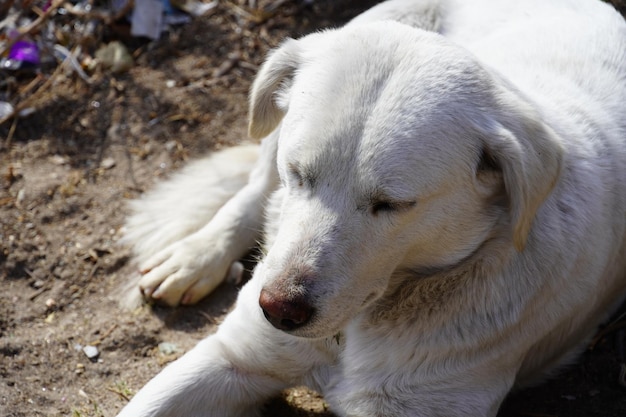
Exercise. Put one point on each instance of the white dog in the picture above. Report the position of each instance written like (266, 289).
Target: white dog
(447, 216)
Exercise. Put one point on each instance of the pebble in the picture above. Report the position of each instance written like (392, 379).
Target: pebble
(6, 109)
(59, 160)
(108, 163)
(91, 352)
(115, 56)
(168, 348)
(19, 200)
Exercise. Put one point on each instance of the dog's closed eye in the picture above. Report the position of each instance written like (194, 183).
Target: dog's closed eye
(380, 206)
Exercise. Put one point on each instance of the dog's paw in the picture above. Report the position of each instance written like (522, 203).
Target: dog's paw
(183, 273)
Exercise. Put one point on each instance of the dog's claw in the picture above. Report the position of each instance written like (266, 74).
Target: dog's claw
(146, 291)
(187, 299)
(235, 273)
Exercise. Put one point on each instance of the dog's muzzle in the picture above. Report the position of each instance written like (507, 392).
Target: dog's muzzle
(285, 314)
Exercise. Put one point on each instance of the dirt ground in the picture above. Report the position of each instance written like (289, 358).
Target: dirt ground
(67, 172)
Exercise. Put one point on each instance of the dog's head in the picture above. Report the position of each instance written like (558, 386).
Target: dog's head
(396, 150)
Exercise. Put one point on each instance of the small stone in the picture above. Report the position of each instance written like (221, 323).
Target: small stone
(80, 368)
(27, 111)
(168, 348)
(171, 145)
(6, 109)
(84, 122)
(115, 56)
(19, 200)
(59, 160)
(91, 352)
(108, 163)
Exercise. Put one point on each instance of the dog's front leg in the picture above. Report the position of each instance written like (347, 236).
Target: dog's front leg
(187, 270)
(233, 372)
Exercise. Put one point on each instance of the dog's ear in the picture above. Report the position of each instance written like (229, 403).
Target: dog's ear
(529, 154)
(280, 66)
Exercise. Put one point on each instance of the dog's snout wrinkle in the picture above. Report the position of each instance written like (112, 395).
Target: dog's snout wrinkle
(285, 313)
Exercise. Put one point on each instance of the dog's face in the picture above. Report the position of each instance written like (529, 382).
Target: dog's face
(396, 152)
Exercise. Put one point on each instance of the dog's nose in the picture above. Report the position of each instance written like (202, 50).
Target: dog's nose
(285, 314)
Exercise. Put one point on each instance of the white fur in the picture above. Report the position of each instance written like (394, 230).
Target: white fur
(183, 249)
(452, 208)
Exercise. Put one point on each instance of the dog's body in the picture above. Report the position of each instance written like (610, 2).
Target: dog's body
(447, 215)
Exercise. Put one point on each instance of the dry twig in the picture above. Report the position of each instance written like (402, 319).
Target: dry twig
(36, 94)
(106, 17)
(118, 392)
(104, 335)
(226, 66)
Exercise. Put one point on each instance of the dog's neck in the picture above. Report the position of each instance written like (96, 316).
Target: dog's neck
(423, 291)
